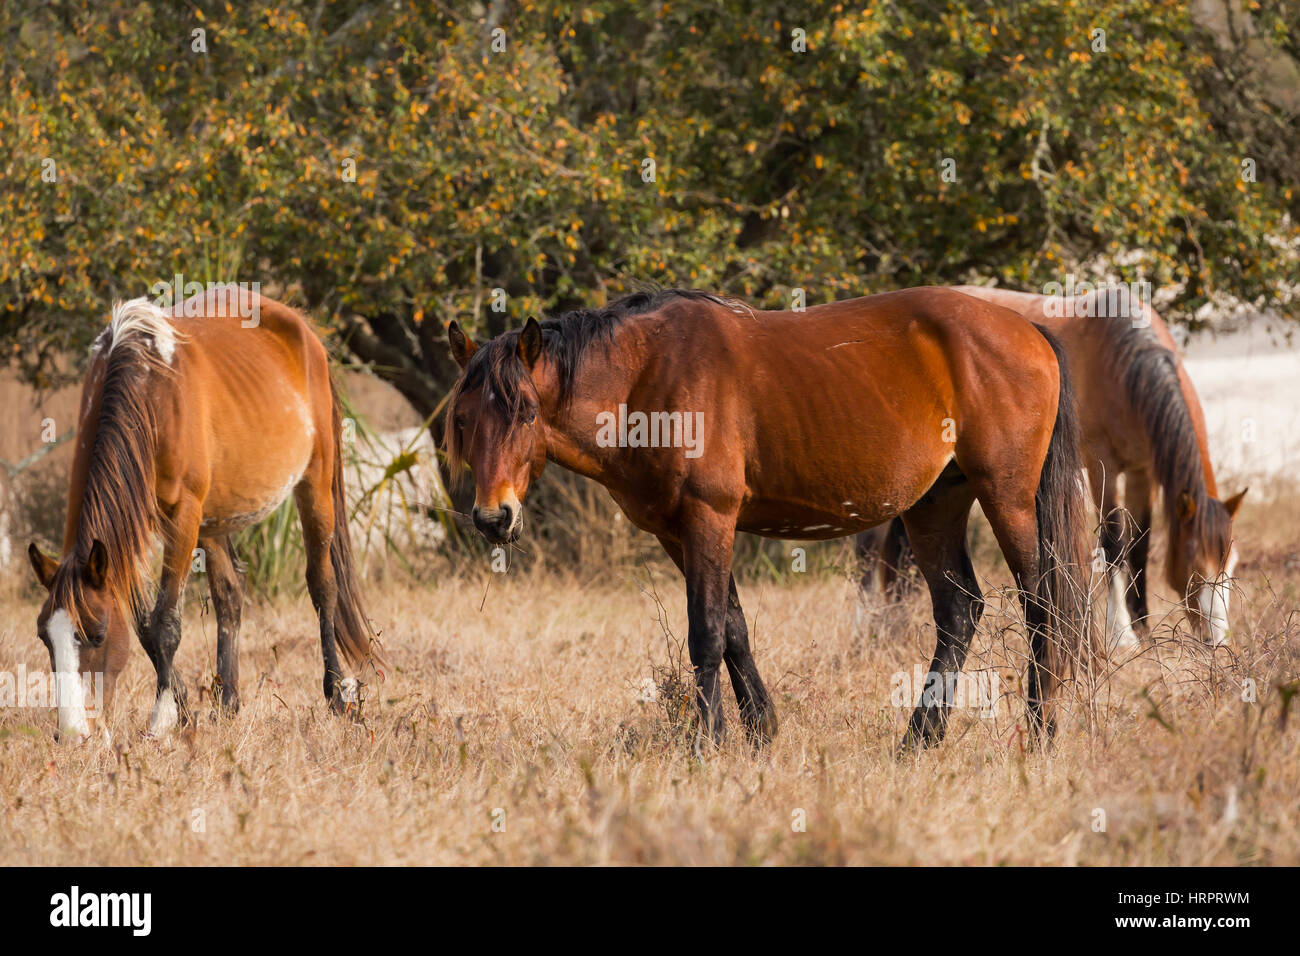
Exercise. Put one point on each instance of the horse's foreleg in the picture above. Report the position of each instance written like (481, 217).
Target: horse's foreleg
(1114, 532)
(867, 545)
(162, 635)
(756, 708)
(896, 555)
(1138, 494)
(227, 602)
(707, 538)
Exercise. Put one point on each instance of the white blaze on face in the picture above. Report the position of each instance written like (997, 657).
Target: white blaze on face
(1212, 598)
(71, 698)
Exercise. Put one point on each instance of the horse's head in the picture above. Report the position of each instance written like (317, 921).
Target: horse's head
(80, 623)
(1202, 561)
(495, 424)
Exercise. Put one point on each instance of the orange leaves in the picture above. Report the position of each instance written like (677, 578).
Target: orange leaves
(774, 168)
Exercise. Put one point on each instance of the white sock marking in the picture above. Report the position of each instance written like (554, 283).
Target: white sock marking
(164, 713)
(1118, 623)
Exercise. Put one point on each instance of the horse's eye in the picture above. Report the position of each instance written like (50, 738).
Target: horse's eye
(530, 416)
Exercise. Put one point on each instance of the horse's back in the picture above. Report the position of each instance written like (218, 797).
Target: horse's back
(248, 324)
(932, 340)
(254, 403)
(869, 398)
(1113, 427)
(942, 313)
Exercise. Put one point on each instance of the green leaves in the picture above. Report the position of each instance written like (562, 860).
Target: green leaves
(390, 171)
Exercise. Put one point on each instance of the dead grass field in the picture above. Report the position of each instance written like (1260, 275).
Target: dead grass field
(530, 714)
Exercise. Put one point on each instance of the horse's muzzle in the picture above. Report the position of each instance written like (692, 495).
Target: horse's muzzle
(499, 525)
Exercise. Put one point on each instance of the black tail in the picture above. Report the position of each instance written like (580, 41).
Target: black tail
(356, 638)
(1064, 604)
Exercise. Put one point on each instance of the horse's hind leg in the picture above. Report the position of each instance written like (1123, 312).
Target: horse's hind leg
(227, 602)
(936, 525)
(868, 546)
(1015, 525)
(315, 501)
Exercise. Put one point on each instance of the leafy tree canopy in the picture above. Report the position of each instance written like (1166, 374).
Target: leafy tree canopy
(393, 164)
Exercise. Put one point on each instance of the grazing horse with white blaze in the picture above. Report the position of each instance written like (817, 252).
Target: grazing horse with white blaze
(195, 424)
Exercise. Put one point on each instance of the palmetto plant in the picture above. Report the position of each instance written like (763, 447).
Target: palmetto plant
(390, 509)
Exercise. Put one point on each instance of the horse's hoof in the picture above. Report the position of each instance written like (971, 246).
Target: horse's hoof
(761, 731)
(346, 699)
(909, 746)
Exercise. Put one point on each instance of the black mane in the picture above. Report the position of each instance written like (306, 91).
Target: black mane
(566, 339)
(1149, 375)
(568, 336)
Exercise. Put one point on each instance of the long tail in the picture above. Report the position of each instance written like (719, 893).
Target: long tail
(1063, 543)
(356, 638)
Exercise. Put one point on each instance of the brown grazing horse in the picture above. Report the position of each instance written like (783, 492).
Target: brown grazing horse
(195, 423)
(704, 417)
(1140, 418)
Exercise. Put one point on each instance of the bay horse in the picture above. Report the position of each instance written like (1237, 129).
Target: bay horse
(1141, 418)
(194, 423)
(703, 417)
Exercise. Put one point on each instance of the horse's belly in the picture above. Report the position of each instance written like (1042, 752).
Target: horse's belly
(240, 498)
(229, 514)
(826, 506)
(806, 524)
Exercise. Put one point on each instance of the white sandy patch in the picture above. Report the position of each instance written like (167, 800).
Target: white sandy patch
(1249, 386)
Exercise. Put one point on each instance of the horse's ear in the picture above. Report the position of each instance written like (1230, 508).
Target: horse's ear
(97, 565)
(530, 342)
(1186, 507)
(43, 565)
(462, 346)
(1234, 503)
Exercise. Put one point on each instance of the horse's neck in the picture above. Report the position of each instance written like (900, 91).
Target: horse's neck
(572, 442)
(605, 380)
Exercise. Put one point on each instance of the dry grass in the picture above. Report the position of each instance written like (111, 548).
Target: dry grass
(535, 706)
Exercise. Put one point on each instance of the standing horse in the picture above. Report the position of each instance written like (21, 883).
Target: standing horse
(1141, 419)
(195, 423)
(703, 417)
